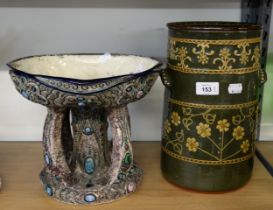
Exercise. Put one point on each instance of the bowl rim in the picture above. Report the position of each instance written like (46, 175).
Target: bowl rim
(214, 26)
(155, 68)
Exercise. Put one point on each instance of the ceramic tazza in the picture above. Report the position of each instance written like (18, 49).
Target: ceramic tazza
(82, 166)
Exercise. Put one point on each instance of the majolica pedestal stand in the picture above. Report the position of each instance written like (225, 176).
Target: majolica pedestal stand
(80, 168)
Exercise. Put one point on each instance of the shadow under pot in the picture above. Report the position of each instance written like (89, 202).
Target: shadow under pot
(82, 166)
(213, 77)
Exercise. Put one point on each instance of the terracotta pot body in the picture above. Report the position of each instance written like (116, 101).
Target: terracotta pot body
(82, 94)
(213, 75)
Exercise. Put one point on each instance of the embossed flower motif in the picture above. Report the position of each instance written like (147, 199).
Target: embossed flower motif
(256, 57)
(172, 50)
(245, 146)
(167, 126)
(192, 144)
(175, 119)
(225, 53)
(203, 58)
(183, 52)
(238, 133)
(223, 125)
(244, 54)
(203, 130)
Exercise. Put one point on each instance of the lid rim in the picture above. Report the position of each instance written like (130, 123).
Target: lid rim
(214, 26)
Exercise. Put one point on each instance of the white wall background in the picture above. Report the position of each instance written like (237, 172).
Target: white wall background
(127, 26)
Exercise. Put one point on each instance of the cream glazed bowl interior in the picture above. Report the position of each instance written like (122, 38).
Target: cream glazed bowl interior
(84, 94)
(84, 79)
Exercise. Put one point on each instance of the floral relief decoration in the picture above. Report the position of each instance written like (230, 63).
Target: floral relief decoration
(202, 54)
(224, 55)
(221, 134)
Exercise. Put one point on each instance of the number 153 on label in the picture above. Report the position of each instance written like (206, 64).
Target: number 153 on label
(207, 88)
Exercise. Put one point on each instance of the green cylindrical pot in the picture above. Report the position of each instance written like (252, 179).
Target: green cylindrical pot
(213, 75)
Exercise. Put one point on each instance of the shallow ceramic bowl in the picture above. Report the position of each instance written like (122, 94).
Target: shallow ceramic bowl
(84, 79)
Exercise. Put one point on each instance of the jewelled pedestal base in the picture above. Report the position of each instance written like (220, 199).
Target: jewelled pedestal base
(82, 165)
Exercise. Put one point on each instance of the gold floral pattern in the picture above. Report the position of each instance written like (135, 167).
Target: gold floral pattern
(172, 50)
(238, 133)
(177, 143)
(225, 59)
(192, 144)
(188, 116)
(203, 130)
(183, 57)
(202, 54)
(180, 54)
(256, 57)
(245, 146)
(257, 64)
(204, 133)
(223, 125)
(167, 126)
(244, 54)
(175, 119)
(231, 144)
